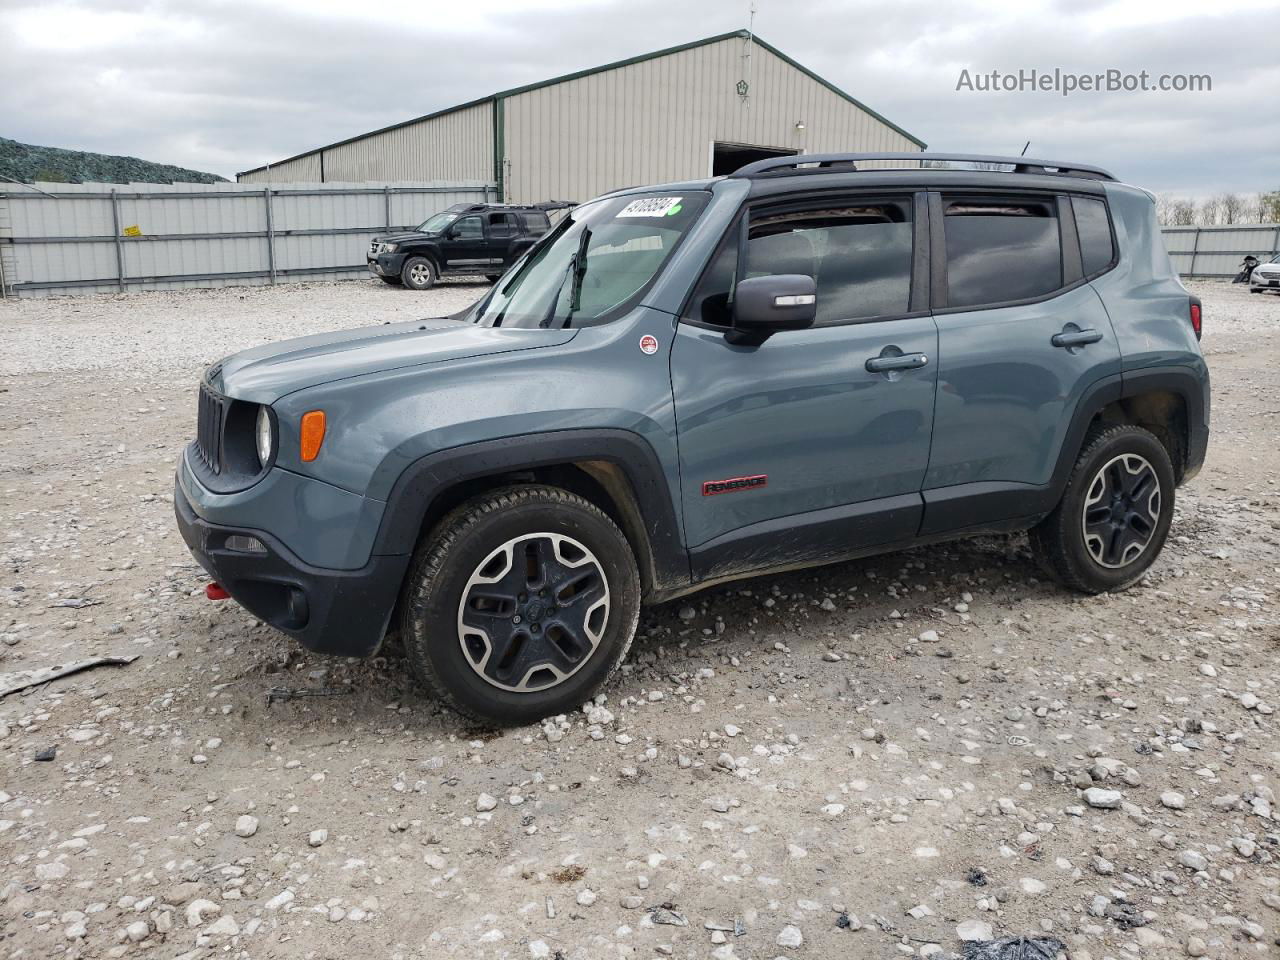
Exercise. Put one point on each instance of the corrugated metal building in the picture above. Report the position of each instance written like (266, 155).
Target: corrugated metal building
(696, 110)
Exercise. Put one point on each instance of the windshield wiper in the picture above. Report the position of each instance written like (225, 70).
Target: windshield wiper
(578, 268)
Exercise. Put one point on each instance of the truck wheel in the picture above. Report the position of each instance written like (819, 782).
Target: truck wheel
(1114, 516)
(520, 604)
(418, 273)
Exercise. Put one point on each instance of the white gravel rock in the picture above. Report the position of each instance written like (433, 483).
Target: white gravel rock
(246, 825)
(1103, 799)
(1173, 800)
(790, 937)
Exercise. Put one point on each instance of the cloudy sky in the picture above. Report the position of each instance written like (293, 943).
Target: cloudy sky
(226, 85)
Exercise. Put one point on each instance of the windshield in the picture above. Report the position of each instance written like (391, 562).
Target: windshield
(595, 260)
(437, 223)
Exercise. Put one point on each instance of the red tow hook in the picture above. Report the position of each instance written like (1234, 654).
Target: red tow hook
(214, 591)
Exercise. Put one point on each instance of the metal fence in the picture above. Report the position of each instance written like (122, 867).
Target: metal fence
(100, 237)
(1216, 252)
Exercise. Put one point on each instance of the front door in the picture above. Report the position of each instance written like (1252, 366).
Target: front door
(466, 248)
(827, 427)
(1020, 337)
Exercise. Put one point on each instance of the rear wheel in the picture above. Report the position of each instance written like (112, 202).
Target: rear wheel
(520, 604)
(418, 273)
(1114, 516)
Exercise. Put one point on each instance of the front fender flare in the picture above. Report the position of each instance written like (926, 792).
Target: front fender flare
(425, 479)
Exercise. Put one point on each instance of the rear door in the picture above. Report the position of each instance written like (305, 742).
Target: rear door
(503, 229)
(1021, 337)
(809, 445)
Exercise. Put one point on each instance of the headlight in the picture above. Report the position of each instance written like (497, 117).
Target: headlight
(265, 438)
(390, 247)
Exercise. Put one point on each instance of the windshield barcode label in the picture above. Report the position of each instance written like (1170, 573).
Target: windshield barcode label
(650, 207)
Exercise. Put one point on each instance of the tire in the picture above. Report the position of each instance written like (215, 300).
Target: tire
(466, 584)
(418, 273)
(1096, 540)
(392, 281)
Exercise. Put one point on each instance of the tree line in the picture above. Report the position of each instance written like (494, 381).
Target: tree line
(1221, 210)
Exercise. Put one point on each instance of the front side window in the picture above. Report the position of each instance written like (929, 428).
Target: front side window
(1001, 250)
(858, 253)
(1096, 249)
(594, 262)
(468, 228)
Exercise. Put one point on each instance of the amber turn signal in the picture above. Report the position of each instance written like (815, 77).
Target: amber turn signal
(311, 434)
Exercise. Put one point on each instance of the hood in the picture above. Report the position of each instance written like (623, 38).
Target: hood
(265, 374)
(405, 237)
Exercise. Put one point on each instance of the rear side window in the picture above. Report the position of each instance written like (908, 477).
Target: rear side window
(1001, 250)
(536, 223)
(502, 225)
(1096, 247)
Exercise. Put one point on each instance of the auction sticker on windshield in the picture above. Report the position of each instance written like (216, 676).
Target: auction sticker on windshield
(650, 207)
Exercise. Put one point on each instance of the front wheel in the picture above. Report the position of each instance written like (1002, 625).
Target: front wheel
(418, 273)
(1114, 516)
(520, 604)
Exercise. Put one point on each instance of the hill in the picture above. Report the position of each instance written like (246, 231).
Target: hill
(26, 162)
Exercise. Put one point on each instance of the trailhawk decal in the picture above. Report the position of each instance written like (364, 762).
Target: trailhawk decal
(713, 487)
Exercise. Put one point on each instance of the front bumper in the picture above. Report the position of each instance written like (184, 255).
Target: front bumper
(1262, 282)
(341, 612)
(386, 264)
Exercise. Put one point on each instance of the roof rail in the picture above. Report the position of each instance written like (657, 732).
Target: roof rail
(844, 162)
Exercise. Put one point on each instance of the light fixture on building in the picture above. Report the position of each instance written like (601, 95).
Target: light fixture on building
(799, 124)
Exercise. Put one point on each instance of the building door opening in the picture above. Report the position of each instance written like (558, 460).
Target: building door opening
(728, 157)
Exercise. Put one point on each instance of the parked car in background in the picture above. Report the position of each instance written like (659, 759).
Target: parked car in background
(467, 239)
(1266, 276)
(799, 363)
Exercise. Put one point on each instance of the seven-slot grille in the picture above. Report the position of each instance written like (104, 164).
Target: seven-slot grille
(211, 413)
(375, 247)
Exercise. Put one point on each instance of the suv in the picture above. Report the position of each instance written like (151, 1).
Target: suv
(800, 363)
(464, 240)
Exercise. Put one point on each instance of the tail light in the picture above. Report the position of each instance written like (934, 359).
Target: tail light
(1195, 316)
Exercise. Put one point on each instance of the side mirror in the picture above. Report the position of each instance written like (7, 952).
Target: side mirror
(764, 305)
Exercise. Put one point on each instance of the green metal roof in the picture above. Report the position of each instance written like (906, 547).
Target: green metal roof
(503, 94)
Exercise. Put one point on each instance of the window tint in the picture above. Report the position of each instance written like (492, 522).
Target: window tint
(1096, 250)
(468, 228)
(1000, 251)
(536, 222)
(859, 256)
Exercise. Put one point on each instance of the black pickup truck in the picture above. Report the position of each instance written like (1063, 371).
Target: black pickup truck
(467, 239)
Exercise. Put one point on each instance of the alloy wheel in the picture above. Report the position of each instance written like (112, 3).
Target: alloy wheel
(533, 612)
(1121, 511)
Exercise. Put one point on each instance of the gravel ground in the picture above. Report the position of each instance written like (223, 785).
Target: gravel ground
(875, 759)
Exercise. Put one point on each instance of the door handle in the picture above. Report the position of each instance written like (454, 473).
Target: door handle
(1075, 338)
(906, 361)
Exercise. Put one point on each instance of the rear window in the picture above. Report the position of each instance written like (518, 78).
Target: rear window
(1096, 247)
(1002, 250)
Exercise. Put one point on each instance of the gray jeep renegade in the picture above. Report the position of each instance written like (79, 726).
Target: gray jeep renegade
(803, 362)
